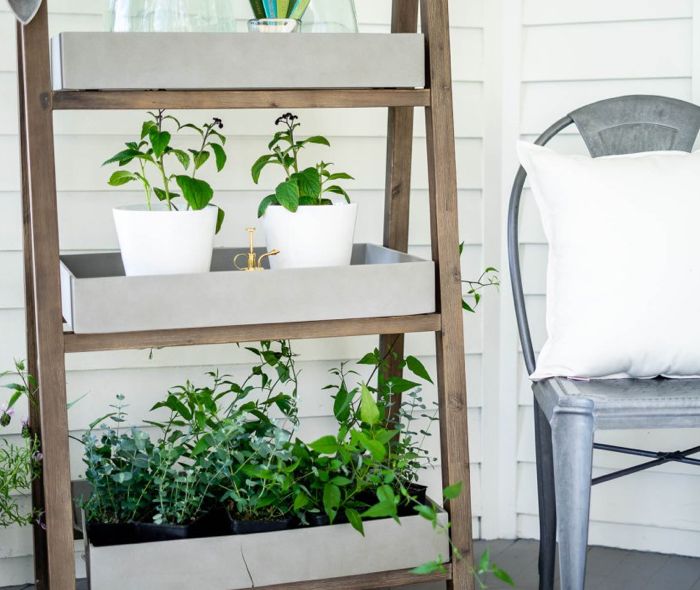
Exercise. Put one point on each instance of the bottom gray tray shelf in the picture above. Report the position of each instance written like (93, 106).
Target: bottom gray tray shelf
(98, 299)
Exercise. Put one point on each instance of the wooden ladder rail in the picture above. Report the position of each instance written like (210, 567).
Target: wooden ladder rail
(54, 564)
(444, 227)
(46, 353)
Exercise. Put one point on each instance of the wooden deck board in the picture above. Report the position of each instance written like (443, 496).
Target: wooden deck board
(608, 569)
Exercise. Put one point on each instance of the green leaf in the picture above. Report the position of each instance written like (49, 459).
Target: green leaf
(485, 562)
(375, 448)
(341, 481)
(301, 501)
(123, 157)
(380, 510)
(162, 196)
(146, 128)
(453, 491)
(200, 158)
(326, 445)
(220, 155)
(317, 139)
(341, 405)
(427, 512)
(309, 182)
(159, 141)
(432, 567)
(259, 165)
(355, 520)
(220, 215)
(197, 193)
(340, 176)
(183, 157)
(338, 190)
(502, 575)
(121, 177)
(417, 368)
(371, 358)
(287, 195)
(265, 203)
(369, 411)
(331, 500)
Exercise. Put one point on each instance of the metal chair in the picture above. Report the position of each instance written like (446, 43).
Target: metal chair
(567, 412)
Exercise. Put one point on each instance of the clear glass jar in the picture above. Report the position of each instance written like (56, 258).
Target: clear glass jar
(330, 16)
(321, 16)
(180, 16)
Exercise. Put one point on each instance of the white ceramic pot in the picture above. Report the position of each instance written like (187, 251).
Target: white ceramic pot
(313, 236)
(163, 242)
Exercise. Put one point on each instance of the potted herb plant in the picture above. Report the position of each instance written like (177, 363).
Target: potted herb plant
(20, 464)
(173, 231)
(309, 218)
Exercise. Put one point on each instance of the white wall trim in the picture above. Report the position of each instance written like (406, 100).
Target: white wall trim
(502, 67)
(696, 53)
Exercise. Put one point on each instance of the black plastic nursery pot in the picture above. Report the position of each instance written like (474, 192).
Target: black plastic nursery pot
(103, 534)
(150, 532)
(247, 527)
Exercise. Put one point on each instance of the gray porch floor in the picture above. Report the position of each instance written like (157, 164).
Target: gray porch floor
(608, 569)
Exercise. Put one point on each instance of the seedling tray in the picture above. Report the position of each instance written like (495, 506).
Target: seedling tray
(97, 297)
(264, 559)
(172, 61)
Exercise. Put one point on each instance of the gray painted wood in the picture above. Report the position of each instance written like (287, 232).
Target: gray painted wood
(608, 569)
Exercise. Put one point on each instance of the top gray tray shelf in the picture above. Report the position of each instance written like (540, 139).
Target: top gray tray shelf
(236, 61)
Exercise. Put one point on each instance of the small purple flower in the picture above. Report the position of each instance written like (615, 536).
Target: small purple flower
(41, 521)
(26, 431)
(38, 457)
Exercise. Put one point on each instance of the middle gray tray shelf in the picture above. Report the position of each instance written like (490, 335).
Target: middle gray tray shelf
(98, 299)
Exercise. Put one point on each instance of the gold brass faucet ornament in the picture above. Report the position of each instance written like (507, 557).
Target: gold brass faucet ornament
(253, 263)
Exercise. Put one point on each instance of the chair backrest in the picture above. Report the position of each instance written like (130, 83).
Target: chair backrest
(622, 125)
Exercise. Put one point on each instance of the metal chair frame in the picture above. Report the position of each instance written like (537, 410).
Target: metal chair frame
(567, 413)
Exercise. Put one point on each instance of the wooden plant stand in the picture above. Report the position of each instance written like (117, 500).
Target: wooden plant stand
(47, 343)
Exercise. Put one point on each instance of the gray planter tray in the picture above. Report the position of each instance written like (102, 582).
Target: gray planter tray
(98, 298)
(146, 61)
(265, 559)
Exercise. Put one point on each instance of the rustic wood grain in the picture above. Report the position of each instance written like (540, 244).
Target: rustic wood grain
(230, 334)
(39, 191)
(379, 580)
(397, 199)
(452, 387)
(239, 99)
(41, 573)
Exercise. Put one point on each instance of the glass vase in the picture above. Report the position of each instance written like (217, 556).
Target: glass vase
(330, 16)
(178, 16)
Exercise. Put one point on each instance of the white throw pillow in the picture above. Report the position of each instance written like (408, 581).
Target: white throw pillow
(623, 279)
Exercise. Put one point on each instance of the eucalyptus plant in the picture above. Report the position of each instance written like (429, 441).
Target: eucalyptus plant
(155, 151)
(313, 185)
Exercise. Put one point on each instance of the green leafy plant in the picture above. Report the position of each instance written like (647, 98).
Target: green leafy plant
(20, 464)
(472, 297)
(118, 467)
(301, 186)
(154, 151)
(279, 8)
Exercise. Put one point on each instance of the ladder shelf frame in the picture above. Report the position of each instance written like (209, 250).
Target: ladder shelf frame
(47, 344)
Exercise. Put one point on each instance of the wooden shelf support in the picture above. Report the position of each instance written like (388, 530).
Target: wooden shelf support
(48, 344)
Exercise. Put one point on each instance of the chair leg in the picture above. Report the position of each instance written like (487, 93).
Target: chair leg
(572, 437)
(546, 499)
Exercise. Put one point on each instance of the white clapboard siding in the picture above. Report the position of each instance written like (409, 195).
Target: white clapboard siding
(85, 139)
(573, 54)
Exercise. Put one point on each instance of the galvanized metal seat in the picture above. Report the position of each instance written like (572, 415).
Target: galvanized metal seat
(568, 412)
